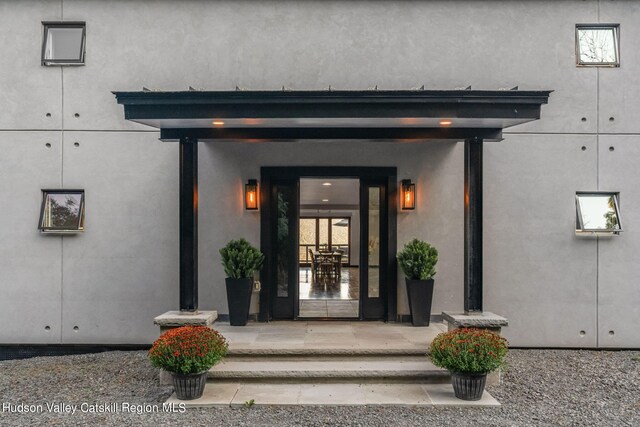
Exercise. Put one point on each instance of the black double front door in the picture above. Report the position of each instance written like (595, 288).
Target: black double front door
(280, 218)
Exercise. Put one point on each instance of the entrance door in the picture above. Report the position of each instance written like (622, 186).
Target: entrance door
(280, 216)
(374, 248)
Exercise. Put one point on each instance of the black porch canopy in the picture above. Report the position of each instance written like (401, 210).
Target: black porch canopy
(468, 115)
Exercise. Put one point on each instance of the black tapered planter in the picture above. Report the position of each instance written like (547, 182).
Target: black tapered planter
(420, 293)
(468, 386)
(239, 300)
(189, 386)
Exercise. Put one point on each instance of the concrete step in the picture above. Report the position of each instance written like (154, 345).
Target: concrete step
(319, 368)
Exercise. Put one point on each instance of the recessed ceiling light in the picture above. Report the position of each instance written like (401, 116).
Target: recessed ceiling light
(218, 123)
(327, 184)
(325, 200)
(445, 122)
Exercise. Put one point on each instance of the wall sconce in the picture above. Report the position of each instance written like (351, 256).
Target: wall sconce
(251, 202)
(408, 195)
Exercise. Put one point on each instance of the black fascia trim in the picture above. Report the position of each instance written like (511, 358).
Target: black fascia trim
(337, 109)
(343, 96)
(332, 104)
(297, 133)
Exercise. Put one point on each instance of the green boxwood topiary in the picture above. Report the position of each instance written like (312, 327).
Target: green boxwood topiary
(418, 260)
(240, 260)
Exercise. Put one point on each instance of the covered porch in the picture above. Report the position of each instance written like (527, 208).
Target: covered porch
(404, 115)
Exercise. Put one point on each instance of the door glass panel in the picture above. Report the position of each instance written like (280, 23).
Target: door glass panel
(283, 240)
(373, 273)
(323, 240)
(340, 236)
(307, 238)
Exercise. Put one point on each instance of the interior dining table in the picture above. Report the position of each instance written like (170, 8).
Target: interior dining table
(330, 259)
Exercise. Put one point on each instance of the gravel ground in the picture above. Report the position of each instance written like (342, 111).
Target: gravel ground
(541, 387)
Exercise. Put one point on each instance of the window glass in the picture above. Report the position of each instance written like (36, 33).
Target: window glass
(597, 212)
(62, 210)
(63, 43)
(597, 45)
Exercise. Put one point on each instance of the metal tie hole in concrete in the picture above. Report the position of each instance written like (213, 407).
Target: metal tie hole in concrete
(76, 144)
(584, 119)
(584, 148)
(582, 333)
(612, 148)
(48, 145)
(48, 114)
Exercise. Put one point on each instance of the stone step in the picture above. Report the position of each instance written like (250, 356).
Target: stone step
(356, 352)
(240, 393)
(329, 369)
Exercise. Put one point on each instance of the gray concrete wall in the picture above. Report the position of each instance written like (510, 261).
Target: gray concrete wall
(555, 288)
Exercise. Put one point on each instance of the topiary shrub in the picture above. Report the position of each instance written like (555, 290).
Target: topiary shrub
(240, 260)
(418, 260)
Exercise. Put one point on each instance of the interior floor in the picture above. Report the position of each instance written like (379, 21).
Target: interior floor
(326, 297)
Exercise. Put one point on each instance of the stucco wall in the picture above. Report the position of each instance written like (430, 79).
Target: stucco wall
(114, 278)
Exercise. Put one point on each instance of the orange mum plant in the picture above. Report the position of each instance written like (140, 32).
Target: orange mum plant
(188, 350)
(469, 350)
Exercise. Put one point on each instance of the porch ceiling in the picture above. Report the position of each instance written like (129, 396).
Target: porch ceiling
(371, 114)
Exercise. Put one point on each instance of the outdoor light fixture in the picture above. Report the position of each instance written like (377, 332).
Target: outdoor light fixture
(217, 123)
(251, 195)
(445, 122)
(408, 194)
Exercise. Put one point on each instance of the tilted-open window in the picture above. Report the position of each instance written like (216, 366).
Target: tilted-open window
(63, 43)
(597, 213)
(62, 211)
(598, 45)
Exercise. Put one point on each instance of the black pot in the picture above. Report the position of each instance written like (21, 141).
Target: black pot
(239, 300)
(420, 293)
(189, 386)
(468, 386)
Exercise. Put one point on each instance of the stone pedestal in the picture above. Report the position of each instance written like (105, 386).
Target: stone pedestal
(484, 320)
(176, 319)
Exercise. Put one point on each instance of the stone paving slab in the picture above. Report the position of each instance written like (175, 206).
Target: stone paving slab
(323, 335)
(332, 394)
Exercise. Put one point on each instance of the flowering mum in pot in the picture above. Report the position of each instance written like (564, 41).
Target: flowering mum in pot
(469, 354)
(188, 353)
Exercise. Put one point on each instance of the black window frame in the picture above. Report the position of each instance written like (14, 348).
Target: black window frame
(46, 25)
(80, 224)
(616, 40)
(581, 230)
